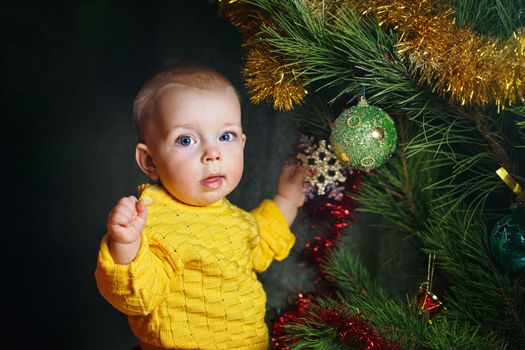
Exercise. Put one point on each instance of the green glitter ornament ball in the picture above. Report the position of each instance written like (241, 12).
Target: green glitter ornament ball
(363, 137)
(507, 241)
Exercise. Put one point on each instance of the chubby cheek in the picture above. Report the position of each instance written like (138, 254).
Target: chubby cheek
(180, 169)
(236, 169)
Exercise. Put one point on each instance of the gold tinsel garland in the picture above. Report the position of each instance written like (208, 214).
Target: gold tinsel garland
(242, 15)
(470, 68)
(267, 77)
(454, 61)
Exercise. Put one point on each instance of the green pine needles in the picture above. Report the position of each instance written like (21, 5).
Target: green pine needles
(439, 187)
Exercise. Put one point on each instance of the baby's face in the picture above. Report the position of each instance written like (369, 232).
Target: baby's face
(196, 143)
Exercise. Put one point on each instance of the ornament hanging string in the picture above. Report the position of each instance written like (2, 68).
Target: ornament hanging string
(426, 301)
(430, 270)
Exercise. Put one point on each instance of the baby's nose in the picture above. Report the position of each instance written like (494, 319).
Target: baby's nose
(211, 155)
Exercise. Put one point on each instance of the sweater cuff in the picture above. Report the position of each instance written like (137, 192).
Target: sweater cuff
(274, 228)
(122, 278)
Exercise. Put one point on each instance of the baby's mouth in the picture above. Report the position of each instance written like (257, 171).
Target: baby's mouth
(212, 181)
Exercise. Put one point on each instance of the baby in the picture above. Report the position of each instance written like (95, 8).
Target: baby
(181, 261)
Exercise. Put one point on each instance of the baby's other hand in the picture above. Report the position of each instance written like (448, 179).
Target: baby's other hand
(127, 220)
(290, 184)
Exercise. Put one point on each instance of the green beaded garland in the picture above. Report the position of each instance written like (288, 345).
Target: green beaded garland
(363, 137)
(507, 241)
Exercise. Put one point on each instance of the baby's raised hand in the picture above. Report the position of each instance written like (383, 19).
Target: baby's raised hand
(289, 195)
(290, 184)
(126, 221)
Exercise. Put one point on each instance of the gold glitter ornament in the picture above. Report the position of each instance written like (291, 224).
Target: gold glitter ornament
(363, 137)
(322, 166)
(268, 79)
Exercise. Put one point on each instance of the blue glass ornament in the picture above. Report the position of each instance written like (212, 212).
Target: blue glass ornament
(507, 240)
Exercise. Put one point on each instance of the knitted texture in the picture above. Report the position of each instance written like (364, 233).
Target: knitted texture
(192, 284)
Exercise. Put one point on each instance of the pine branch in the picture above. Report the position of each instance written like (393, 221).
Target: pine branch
(400, 189)
(350, 277)
(392, 319)
(460, 336)
(354, 53)
(314, 117)
(492, 137)
(437, 184)
(479, 292)
(499, 18)
(412, 205)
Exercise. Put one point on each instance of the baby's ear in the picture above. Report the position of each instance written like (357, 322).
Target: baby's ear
(243, 140)
(145, 161)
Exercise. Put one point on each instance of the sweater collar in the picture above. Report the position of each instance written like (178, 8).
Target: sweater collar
(158, 193)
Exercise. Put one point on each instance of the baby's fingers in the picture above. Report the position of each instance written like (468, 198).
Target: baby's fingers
(123, 212)
(119, 218)
(142, 211)
(293, 173)
(139, 219)
(298, 174)
(288, 169)
(127, 203)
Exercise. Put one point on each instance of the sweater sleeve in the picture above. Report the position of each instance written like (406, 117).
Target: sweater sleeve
(136, 288)
(276, 240)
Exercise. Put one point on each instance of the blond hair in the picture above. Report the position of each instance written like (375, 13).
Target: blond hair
(186, 74)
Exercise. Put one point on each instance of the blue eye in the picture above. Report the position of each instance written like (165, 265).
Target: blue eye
(227, 136)
(185, 141)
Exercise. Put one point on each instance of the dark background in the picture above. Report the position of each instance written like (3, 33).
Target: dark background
(70, 71)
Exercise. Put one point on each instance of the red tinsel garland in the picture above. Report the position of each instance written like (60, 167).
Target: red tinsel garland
(331, 215)
(351, 328)
(291, 315)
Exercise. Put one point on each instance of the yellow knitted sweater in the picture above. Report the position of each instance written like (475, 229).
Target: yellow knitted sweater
(192, 284)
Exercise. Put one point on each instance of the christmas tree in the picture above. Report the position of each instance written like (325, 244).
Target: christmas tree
(420, 104)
